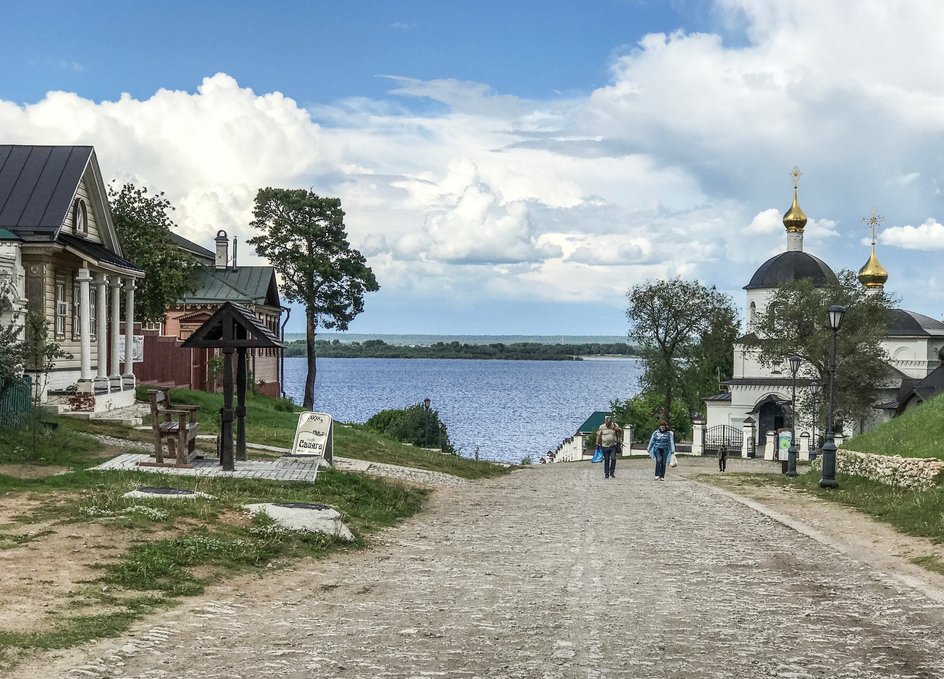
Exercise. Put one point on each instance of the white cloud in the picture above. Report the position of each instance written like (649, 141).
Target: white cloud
(926, 236)
(678, 165)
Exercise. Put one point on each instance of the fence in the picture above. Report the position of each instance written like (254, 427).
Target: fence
(15, 402)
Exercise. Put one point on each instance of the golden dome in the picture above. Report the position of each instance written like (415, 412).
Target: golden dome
(794, 218)
(873, 274)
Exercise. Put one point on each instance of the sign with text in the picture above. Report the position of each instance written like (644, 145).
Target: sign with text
(314, 436)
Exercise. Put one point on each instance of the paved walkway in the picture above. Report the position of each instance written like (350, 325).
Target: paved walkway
(279, 469)
(551, 572)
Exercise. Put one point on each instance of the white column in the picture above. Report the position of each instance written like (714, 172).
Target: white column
(115, 375)
(101, 331)
(129, 332)
(698, 431)
(804, 447)
(770, 451)
(85, 331)
(747, 433)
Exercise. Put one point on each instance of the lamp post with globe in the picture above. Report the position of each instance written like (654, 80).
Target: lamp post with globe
(836, 314)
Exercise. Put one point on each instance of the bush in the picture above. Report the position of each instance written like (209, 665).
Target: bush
(643, 411)
(417, 424)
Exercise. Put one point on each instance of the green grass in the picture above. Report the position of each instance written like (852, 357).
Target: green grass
(918, 513)
(271, 421)
(195, 542)
(918, 432)
(36, 444)
(178, 547)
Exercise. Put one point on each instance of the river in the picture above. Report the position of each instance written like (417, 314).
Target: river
(506, 409)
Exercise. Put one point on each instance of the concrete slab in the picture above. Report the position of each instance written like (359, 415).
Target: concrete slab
(304, 516)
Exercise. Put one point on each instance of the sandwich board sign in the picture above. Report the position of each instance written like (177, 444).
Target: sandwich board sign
(314, 437)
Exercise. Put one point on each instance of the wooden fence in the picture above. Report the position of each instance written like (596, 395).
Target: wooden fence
(15, 402)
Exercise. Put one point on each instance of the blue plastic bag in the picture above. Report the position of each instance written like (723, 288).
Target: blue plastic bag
(597, 455)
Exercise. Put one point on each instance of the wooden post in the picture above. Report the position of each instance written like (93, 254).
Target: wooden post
(241, 403)
(226, 412)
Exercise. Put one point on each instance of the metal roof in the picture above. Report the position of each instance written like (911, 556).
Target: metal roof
(191, 247)
(904, 323)
(37, 184)
(791, 266)
(723, 396)
(593, 423)
(245, 285)
(8, 235)
(97, 252)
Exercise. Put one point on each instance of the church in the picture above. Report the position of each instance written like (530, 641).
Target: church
(757, 400)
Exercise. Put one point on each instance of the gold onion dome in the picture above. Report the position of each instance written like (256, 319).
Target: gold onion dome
(873, 274)
(794, 218)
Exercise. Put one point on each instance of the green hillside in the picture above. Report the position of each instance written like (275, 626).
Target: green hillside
(919, 432)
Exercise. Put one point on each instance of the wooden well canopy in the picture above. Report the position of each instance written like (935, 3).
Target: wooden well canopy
(233, 327)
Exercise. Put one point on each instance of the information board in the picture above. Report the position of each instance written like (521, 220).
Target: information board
(784, 439)
(314, 436)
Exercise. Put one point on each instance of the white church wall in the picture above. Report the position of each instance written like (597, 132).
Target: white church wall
(914, 356)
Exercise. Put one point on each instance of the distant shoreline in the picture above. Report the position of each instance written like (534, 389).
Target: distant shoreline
(421, 339)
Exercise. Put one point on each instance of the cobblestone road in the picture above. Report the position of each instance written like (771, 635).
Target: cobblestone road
(551, 572)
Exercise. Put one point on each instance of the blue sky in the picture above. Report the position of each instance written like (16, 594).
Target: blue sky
(513, 167)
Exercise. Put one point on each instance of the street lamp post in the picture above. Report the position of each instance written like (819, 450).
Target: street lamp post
(836, 314)
(792, 451)
(814, 390)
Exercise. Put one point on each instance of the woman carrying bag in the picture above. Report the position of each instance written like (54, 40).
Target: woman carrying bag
(662, 448)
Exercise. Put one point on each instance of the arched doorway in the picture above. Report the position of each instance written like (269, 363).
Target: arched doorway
(770, 415)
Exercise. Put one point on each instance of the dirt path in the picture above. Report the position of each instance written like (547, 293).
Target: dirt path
(551, 572)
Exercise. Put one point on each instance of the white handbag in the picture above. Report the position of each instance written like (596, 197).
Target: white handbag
(673, 462)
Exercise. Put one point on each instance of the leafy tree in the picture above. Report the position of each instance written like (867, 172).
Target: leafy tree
(685, 332)
(305, 240)
(797, 322)
(143, 225)
(11, 359)
(644, 410)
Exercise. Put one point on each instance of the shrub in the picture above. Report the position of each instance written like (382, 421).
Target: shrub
(416, 424)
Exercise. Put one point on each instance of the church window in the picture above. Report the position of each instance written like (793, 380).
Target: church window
(753, 316)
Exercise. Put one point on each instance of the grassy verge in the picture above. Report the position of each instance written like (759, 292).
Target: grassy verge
(918, 513)
(271, 421)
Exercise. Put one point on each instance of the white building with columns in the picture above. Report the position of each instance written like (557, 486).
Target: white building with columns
(71, 272)
(756, 402)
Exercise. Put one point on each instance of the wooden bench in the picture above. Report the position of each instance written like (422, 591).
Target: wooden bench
(175, 424)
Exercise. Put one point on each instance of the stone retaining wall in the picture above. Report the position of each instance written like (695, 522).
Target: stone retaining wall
(915, 473)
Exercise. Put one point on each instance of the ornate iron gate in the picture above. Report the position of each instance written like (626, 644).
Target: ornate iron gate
(723, 435)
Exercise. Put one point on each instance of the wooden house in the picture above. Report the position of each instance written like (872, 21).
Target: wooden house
(217, 279)
(60, 257)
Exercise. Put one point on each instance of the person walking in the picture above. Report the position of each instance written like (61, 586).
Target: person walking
(609, 437)
(662, 448)
(722, 457)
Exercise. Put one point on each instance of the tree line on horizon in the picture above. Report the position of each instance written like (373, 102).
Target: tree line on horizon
(513, 351)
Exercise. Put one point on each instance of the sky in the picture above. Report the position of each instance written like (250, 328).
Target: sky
(513, 167)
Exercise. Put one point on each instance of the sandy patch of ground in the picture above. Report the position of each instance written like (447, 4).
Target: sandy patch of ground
(45, 564)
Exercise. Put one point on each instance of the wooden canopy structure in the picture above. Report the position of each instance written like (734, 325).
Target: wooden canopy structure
(233, 328)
